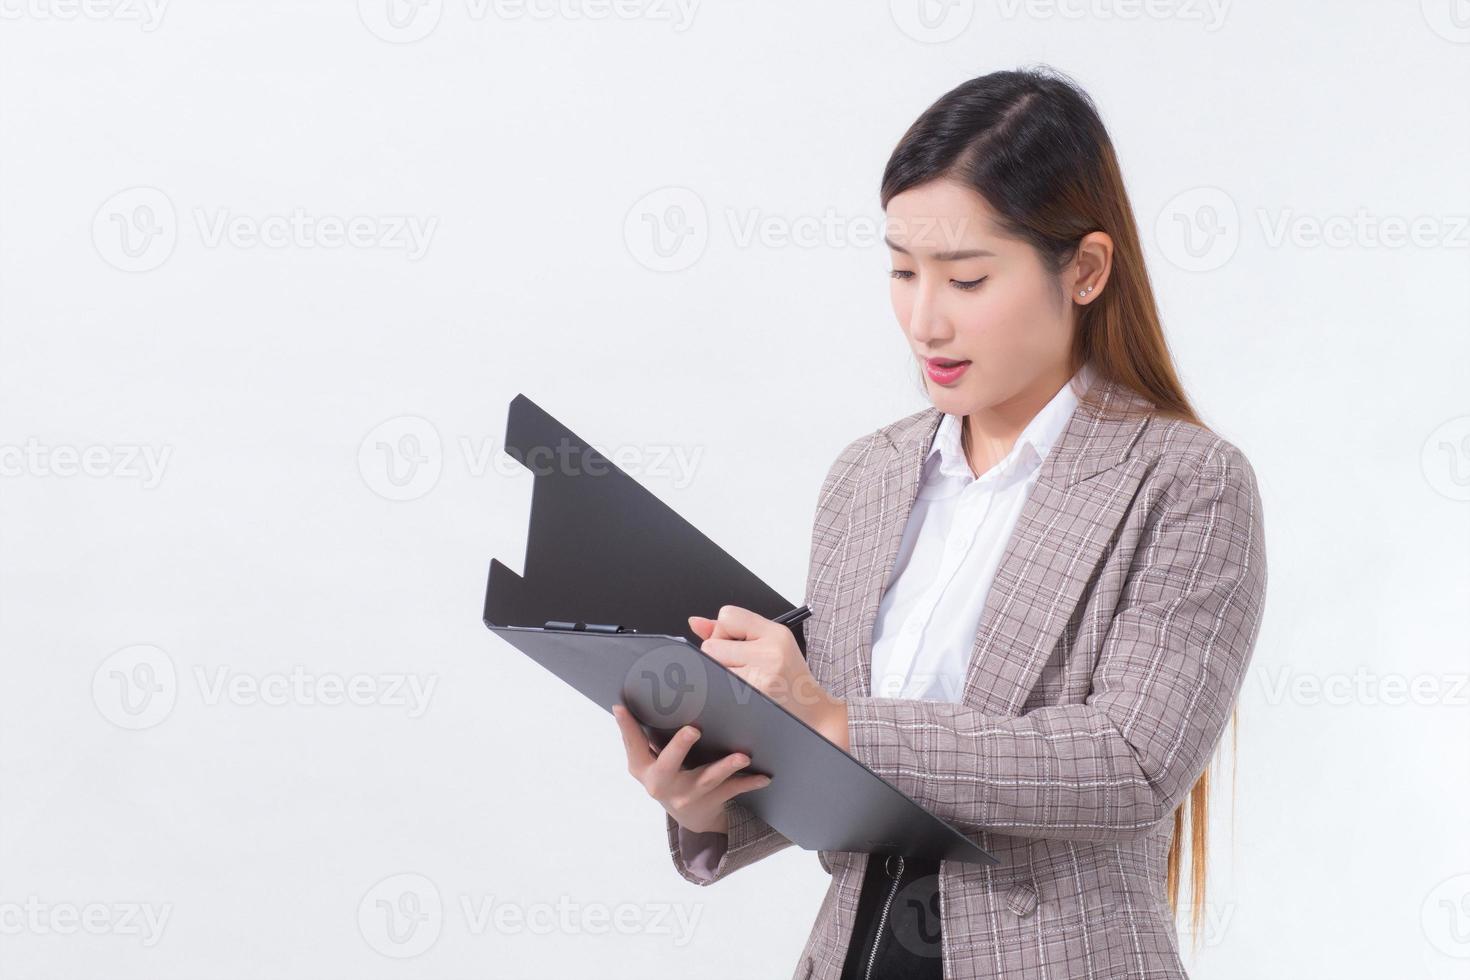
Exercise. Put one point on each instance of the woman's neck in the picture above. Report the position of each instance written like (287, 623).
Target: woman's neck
(989, 434)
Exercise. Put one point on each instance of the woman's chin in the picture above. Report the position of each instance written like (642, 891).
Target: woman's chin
(954, 400)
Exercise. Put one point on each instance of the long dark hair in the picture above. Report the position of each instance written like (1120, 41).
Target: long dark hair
(1032, 144)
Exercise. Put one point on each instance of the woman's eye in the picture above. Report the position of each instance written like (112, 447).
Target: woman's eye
(971, 284)
(901, 274)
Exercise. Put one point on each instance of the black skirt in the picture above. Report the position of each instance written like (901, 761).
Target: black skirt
(897, 932)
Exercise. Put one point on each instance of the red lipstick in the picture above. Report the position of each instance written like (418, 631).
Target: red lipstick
(944, 370)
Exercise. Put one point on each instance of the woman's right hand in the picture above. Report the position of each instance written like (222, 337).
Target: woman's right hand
(696, 797)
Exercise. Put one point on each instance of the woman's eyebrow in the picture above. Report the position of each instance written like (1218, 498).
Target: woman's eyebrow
(950, 256)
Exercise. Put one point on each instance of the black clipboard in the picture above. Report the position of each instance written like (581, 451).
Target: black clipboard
(630, 568)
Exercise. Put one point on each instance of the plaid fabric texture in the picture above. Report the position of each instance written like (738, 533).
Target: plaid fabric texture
(1113, 645)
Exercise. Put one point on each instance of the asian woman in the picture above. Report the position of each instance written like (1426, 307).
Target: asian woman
(1034, 601)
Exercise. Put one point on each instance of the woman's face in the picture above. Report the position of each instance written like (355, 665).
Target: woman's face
(963, 292)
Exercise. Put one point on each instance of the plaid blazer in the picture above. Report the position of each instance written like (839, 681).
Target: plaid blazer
(1112, 647)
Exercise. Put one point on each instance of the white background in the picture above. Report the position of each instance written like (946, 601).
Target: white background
(265, 380)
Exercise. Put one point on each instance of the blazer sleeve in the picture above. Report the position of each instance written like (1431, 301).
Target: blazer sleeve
(1170, 668)
(706, 858)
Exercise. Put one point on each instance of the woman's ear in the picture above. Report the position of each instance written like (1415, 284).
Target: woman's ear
(1093, 263)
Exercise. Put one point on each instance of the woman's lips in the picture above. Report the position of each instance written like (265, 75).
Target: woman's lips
(944, 370)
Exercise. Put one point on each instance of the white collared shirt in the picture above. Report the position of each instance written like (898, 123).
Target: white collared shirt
(952, 544)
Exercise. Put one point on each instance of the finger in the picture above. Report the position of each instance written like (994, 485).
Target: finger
(713, 628)
(701, 626)
(635, 742)
(720, 632)
(739, 623)
(670, 760)
(729, 653)
(712, 775)
(736, 785)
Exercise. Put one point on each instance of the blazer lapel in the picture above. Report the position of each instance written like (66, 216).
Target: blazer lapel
(880, 508)
(1061, 534)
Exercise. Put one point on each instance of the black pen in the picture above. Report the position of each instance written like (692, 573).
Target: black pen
(795, 616)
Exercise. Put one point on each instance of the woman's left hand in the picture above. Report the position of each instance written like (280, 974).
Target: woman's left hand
(764, 654)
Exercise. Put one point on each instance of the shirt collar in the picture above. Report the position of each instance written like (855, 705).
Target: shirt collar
(1032, 445)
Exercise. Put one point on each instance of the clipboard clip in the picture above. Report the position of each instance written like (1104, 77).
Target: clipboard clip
(553, 624)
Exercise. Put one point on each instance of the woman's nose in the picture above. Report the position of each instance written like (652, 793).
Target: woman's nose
(927, 324)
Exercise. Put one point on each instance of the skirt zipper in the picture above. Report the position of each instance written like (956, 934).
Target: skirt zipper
(883, 917)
